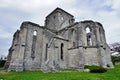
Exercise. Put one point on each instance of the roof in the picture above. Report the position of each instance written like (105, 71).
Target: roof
(60, 10)
(68, 26)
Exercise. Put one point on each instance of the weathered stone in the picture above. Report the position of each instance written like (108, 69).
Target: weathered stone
(60, 44)
(86, 70)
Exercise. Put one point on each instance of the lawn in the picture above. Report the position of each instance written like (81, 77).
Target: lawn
(112, 74)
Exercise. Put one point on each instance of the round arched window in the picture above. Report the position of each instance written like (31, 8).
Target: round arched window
(35, 33)
(87, 29)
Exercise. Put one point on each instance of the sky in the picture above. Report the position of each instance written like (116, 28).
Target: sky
(14, 12)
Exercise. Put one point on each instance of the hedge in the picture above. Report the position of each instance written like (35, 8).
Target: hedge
(2, 62)
(95, 69)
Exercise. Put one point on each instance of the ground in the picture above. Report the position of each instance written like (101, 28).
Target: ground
(112, 74)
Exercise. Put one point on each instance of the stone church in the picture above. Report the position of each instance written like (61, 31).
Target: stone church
(60, 44)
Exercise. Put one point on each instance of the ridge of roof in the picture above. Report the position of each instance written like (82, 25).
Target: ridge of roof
(59, 9)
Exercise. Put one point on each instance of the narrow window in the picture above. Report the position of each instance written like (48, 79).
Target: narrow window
(35, 33)
(54, 17)
(62, 45)
(62, 18)
(69, 21)
(87, 30)
(73, 44)
(46, 52)
(100, 33)
(88, 36)
(89, 41)
(33, 44)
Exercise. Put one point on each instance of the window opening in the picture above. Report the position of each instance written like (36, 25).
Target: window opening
(73, 44)
(62, 45)
(35, 33)
(89, 41)
(87, 30)
(33, 44)
(46, 51)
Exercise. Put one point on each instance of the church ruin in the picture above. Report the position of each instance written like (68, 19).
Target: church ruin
(60, 44)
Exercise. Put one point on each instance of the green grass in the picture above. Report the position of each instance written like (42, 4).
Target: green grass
(112, 74)
(1, 68)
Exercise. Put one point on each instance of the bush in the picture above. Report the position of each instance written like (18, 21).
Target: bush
(100, 70)
(115, 59)
(2, 62)
(96, 69)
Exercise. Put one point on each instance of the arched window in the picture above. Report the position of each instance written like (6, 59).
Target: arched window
(62, 45)
(88, 35)
(35, 33)
(87, 29)
(100, 33)
(33, 44)
(73, 37)
(89, 41)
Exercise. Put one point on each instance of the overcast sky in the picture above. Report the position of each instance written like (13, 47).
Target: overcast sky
(14, 12)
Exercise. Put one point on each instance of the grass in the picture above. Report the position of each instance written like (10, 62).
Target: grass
(112, 74)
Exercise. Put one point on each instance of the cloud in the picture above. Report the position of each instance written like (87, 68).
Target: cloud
(116, 4)
(4, 34)
(14, 12)
(5, 40)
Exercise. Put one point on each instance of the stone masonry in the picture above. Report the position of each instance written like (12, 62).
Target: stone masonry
(60, 44)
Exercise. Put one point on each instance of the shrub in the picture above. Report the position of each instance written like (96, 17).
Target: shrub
(100, 70)
(96, 69)
(115, 59)
(2, 62)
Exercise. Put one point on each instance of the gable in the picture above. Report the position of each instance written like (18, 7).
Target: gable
(59, 10)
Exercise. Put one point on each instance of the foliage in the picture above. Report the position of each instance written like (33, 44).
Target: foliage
(100, 70)
(115, 59)
(96, 69)
(112, 74)
(2, 62)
